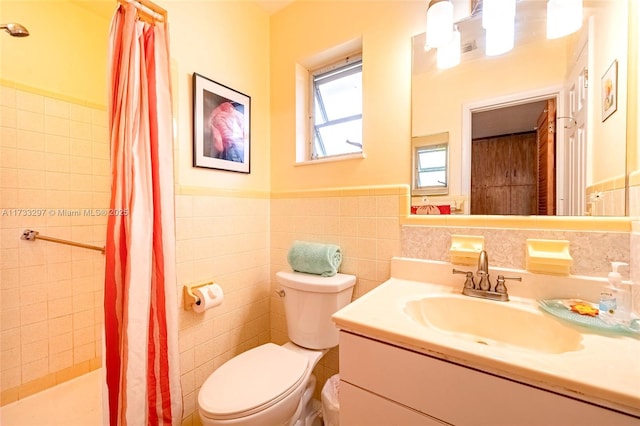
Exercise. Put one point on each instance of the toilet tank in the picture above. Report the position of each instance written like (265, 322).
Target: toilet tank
(309, 302)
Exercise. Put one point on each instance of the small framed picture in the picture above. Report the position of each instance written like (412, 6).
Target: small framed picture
(610, 91)
(221, 126)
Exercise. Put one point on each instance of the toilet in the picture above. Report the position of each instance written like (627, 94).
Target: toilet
(273, 385)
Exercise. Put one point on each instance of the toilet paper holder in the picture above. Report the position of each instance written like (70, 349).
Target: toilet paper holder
(189, 297)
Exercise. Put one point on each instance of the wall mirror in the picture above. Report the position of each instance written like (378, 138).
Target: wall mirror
(532, 131)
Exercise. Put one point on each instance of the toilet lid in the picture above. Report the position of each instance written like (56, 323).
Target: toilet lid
(251, 382)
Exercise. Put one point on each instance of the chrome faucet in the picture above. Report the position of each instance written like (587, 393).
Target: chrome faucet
(483, 271)
(483, 288)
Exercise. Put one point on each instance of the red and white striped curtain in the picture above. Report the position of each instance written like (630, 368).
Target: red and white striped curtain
(141, 330)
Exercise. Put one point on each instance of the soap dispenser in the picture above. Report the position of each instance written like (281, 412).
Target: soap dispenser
(607, 306)
(623, 298)
(615, 301)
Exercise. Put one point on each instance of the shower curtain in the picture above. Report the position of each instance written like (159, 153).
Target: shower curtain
(140, 347)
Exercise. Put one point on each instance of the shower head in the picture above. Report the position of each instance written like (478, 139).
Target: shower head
(16, 30)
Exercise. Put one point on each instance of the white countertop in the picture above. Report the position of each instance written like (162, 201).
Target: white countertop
(604, 371)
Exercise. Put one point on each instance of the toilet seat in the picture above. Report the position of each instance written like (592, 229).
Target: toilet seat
(251, 382)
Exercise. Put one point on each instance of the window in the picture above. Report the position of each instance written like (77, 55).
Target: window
(430, 164)
(337, 109)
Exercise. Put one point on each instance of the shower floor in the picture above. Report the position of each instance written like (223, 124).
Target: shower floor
(77, 402)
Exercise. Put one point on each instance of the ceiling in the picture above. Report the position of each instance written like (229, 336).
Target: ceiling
(507, 120)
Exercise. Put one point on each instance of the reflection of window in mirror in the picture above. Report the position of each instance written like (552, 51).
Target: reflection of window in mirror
(430, 164)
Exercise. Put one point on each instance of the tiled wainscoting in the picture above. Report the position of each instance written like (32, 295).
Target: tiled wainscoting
(364, 222)
(223, 239)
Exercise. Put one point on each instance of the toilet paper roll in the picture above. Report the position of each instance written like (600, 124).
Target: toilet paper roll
(208, 296)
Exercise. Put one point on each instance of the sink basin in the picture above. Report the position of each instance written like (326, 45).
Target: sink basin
(494, 323)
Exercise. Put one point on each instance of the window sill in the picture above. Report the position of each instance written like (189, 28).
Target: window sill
(331, 159)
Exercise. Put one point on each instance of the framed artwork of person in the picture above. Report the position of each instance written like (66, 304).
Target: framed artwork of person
(221, 126)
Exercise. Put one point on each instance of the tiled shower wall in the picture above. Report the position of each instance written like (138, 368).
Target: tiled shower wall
(54, 166)
(226, 240)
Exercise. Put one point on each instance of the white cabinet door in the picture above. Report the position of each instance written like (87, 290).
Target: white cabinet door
(359, 407)
(460, 395)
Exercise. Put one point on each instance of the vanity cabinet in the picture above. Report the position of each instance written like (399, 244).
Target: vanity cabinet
(382, 384)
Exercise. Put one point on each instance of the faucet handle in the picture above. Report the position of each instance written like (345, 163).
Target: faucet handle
(484, 283)
(468, 283)
(500, 287)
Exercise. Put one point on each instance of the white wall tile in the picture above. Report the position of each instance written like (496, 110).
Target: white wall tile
(57, 144)
(80, 130)
(7, 96)
(31, 141)
(8, 135)
(80, 113)
(10, 339)
(8, 117)
(56, 108)
(30, 121)
(29, 102)
(33, 370)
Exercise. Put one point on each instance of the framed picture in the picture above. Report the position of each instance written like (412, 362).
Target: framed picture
(610, 91)
(221, 126)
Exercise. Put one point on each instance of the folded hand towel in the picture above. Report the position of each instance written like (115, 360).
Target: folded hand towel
(315, 258)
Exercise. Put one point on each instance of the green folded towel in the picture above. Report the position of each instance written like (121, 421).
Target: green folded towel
(315, 258)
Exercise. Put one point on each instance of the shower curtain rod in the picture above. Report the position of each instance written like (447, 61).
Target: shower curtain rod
(148, 11)
(30, 235)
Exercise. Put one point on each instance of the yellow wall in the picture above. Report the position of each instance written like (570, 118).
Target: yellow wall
(307, 28)
(65, 53)
(608, 138)
(228, 42)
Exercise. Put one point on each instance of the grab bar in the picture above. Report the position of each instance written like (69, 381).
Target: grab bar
(30, 235)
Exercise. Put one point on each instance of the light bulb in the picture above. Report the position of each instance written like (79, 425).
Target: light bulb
(439, 23)
(449, 55)
(563, 17)
(500, 39)
(497, 12)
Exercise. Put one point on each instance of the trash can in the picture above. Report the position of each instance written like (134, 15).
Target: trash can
(330, 403)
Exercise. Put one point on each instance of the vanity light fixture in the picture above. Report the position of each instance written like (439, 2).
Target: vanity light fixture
(563, 17)
(439, 23)
(499, 39)
(449, 55)
(497, 12)
(499, 20)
